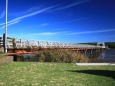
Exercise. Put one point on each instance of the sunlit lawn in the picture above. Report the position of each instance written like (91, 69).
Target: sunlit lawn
(55, 74)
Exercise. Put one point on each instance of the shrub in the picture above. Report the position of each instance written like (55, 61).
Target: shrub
(59, 55)
(55, 55)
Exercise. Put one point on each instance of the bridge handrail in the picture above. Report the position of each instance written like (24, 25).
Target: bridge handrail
(24, 43)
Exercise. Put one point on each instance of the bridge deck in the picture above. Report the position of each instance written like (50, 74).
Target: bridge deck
(12, 54)
(21, 46)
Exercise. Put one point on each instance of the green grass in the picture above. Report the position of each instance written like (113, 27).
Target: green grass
(55, 74)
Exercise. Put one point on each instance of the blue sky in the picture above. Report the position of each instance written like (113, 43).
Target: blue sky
(60, 20)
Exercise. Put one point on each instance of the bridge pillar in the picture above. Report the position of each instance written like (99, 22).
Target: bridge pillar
(15, 58)
(1, 42)
(4, 41)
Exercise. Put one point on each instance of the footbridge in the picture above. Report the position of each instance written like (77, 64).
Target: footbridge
(15, 45)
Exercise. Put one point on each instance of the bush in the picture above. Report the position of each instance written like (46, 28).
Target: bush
(59, 55)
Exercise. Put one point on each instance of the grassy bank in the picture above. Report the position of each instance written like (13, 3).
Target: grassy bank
(55, 74)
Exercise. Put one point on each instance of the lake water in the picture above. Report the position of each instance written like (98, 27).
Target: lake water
(107, 55)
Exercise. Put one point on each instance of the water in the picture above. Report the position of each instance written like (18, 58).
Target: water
(107, 55)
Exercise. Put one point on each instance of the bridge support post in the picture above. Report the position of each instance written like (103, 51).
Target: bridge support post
(85, 52)
(4, 43)
(20, 43)
(15, 58)
(91, 51)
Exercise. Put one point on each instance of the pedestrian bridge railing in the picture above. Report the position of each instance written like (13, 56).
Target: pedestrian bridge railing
(25, 43)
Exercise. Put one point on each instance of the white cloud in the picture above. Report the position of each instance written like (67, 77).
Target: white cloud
(58, 33)
(41, 25)
(10, 24)
(73, 4)
(33, 9)
(46, 33)
(91, 32)
(2, 14)
(17, 14)
(106, 36)
(32, 12)
(18, 19)
(2, 24)
(71, 20)
(70, 5)
(2, 27)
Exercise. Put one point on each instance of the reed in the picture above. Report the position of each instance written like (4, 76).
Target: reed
(59, 55)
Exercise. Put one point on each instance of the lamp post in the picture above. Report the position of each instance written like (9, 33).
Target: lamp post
(6, 25)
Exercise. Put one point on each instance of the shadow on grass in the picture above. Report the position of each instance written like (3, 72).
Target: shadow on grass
(106, 73)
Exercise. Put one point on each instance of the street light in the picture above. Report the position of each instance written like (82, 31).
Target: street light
(6, 25)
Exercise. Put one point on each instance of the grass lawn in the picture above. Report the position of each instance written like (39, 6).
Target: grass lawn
(55, 74)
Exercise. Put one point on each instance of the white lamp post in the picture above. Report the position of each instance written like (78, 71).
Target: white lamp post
(6, 26)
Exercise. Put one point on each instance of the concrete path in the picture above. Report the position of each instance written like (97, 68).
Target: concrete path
(95, 64)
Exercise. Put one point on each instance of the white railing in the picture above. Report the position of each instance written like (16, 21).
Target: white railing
(48, 44)
(24, 43)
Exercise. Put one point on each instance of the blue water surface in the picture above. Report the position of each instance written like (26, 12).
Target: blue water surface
(107, 55)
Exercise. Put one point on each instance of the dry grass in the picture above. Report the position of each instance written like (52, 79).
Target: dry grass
(58, 55)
